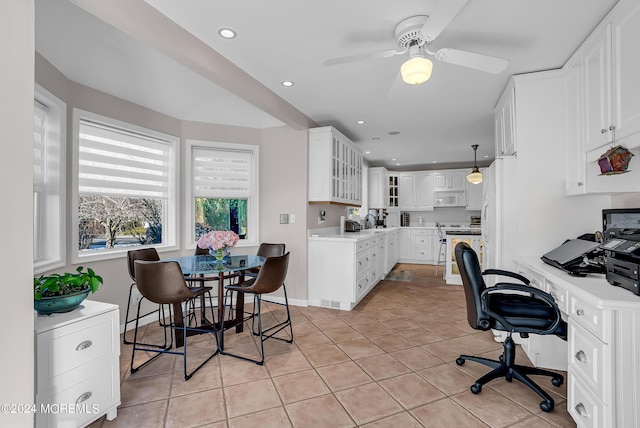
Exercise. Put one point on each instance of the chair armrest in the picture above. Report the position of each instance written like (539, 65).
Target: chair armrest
(533, 292)
(506, 273)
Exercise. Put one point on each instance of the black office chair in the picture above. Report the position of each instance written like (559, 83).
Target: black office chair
(514, 308)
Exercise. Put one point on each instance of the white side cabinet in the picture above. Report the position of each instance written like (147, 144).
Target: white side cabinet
(505, 122)
(77, 365)
(335, 168)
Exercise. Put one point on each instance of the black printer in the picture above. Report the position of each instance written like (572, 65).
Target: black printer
(621, 228)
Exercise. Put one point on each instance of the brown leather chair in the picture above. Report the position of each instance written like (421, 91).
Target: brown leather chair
(133, 255)
(270, 278)
(162, 282)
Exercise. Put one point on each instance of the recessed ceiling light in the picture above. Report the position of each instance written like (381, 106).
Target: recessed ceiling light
(434, 162)
(367, 152)
(486, 156)
(393, 159)
(287, 83)
(226, 33)
(397, 164)
(394, 132)
(360, 122)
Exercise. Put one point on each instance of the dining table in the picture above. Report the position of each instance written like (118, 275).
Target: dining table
(202, 268)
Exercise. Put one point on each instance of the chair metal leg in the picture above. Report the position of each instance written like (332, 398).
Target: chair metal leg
(440, 257)
(161, 317)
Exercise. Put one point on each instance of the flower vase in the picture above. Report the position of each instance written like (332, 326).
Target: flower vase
(218, 254)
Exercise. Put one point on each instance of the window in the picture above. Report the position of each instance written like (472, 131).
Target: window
(222, 190)
(125, 187)
(49, 141)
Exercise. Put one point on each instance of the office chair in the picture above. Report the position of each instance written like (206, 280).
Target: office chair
(514, 308)
(269, 279)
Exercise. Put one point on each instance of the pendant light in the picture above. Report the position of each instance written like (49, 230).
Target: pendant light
(475, 176)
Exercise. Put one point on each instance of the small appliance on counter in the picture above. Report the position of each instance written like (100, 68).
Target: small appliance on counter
(404, 219)
(475, 221)
(352, 226)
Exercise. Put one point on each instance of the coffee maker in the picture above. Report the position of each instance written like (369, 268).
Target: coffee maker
(380, 216)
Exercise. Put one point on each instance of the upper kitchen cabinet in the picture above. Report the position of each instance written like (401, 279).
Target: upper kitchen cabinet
(602, 103)
(453, 180)
(335, 168)
(377, 187)
(416, 191)
(505, 122)
(393, 190)
(474, 196)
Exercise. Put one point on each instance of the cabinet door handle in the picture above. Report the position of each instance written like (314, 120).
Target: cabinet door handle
(582, 357)
(611, 128)
(580, 183)
(603, 131)
(84, 345)
(84, 397)
(580, 312)
(582, 411)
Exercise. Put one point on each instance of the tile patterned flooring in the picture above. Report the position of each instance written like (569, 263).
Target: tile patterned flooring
(387, 363)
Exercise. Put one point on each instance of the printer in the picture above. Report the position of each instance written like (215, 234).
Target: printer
(621, 228)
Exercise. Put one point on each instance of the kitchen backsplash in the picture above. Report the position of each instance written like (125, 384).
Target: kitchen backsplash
(442, 215)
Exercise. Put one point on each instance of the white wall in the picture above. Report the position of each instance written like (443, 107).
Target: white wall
(16, 176)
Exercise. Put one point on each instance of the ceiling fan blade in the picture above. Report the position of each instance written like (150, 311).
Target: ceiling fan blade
(488, 64)
(362, 57)
(438, 20)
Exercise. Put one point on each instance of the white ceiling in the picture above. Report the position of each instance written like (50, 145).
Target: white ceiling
(281, 40)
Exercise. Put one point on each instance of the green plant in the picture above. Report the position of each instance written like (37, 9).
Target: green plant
(68, 283)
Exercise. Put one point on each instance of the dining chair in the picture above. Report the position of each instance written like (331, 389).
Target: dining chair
(163, 282)
(150, 254)
(269, 279)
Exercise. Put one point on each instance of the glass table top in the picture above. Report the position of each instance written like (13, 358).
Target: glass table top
(207, 265)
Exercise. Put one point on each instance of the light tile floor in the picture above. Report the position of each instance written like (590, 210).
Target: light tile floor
(390, 362)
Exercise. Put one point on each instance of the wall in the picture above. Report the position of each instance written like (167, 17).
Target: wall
(283, 178)
(16, 176)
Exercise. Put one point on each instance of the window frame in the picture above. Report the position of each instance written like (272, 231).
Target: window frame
(253, 203)
(52, 238)
(172, 220)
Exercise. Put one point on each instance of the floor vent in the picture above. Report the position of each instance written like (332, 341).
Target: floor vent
(330, 304)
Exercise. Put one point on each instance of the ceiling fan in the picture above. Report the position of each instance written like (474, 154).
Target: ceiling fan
(415, 34)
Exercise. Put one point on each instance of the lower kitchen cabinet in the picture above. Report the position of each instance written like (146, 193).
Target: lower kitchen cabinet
(77, 365)
(344, 268)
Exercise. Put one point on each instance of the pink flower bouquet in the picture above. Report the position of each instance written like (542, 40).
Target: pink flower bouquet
(218, 239)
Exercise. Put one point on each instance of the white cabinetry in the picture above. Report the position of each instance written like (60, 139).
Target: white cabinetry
(405, 244)
(505, 122)
(453, 180)
(377, 187)
(602, 102)
(393, 191)
(603, 384)
(474, 196)
(343, 270)
(422, 245)
(335, 168)
(77, 364)
(392, 250)
(416, 191)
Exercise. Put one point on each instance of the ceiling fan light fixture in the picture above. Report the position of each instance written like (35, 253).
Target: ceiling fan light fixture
(416, 70)
(475, 176)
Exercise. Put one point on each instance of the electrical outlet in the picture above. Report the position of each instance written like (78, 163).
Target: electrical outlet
(292, 218)
(284, 218)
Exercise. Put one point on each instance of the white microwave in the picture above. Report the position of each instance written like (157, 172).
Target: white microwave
(449, 199)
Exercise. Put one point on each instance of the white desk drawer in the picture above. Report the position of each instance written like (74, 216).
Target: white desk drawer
(560, 295)
(589, 359)
(583, 406)
(595, 320)
(64, 349)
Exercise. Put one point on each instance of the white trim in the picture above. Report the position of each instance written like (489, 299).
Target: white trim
(172, 220)
(253, 205)
(54, 225)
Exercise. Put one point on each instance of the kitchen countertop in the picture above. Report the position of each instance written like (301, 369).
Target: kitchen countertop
(332, 233)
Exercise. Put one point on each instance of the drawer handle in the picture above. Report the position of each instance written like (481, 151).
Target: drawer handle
(84, 345)
(84, 397)
(582, 357)
(582, 411)
(580, 312)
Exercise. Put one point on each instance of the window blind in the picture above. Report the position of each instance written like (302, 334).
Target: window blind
(219, 173)
(39, 135)
(117, 162)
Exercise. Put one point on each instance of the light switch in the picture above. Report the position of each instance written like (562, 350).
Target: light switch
(284, 218)
(292, 218)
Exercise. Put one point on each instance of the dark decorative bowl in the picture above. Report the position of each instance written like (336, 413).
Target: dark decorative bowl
(59, 304)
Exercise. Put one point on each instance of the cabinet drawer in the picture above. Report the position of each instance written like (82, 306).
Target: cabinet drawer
(589, 359)
(66, 348)
(92, 396)
(363, 262)
(420, 253)
(595, 320)
(362, 285)
(537, 280)
(421, 240)
(583, 406)
(559, 294)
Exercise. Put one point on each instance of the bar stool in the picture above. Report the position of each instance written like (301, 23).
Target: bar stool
(442, 258)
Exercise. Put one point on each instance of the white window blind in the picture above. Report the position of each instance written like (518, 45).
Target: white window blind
(220, 173)
(39, 135)
(117, 162)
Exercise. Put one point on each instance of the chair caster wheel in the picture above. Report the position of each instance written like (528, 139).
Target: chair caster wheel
(546, 406)
(509, 378)
(557, 381)
(476, 388)
(459, 361)
(501, 359)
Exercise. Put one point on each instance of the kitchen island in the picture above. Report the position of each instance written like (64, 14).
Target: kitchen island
(471, 237)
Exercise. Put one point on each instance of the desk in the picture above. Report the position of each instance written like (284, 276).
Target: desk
(603, 344)
(207, 268)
